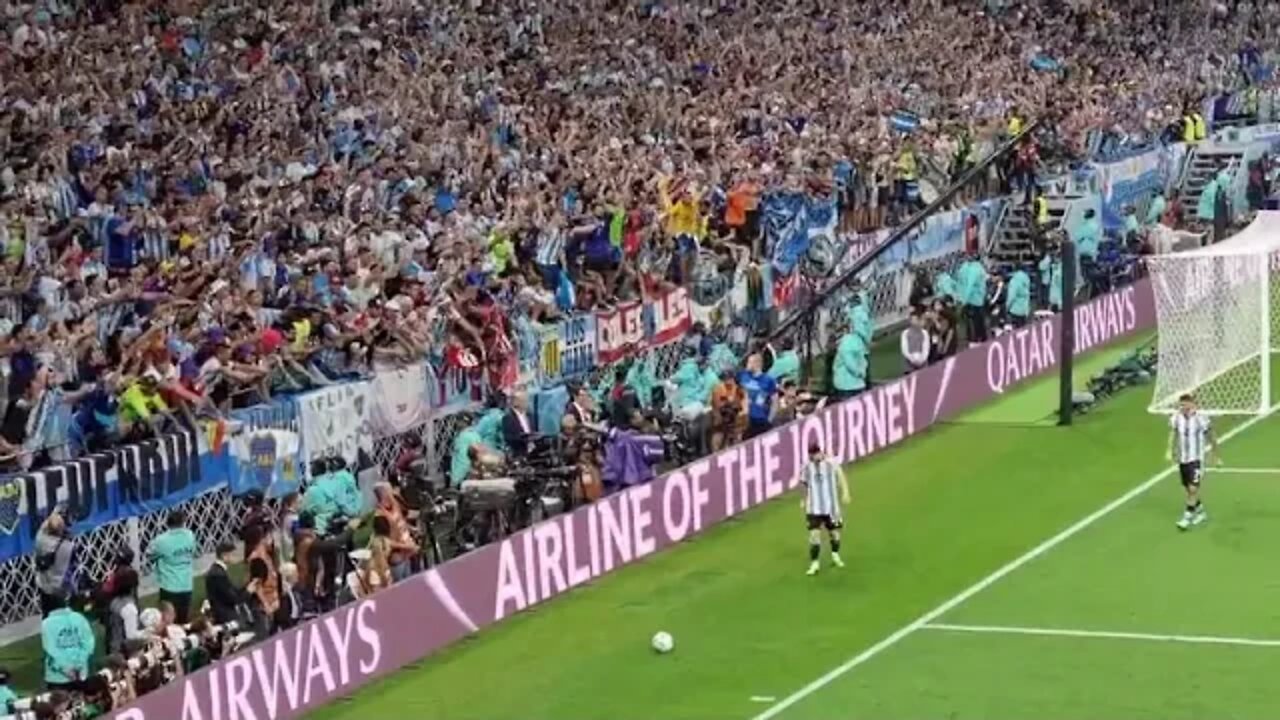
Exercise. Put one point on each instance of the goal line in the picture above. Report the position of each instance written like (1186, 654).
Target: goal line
(1223, 470)
(1101, 634)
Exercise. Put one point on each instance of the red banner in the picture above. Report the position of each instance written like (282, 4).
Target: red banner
(637, 326)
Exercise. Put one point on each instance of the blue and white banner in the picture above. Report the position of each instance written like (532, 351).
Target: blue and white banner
(266, 453)
(568, 350)
(267, 461)
(793, 223)
(1131, 181)
(150, 476)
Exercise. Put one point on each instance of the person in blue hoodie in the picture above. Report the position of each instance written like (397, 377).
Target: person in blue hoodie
(972, 286)
(1017, 299)
(68, 643)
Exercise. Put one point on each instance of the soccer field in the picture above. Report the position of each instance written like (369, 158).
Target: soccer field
(995, 570)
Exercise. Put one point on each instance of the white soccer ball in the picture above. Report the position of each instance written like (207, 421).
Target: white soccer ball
(663, 642)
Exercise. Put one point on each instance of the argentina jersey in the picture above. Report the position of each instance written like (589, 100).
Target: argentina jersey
(820, 480)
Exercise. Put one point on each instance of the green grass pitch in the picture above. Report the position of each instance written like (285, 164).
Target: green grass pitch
(1118, 616)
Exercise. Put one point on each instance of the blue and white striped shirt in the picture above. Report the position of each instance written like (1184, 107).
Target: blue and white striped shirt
(822, 495)
(1193, 436)
(550, 246)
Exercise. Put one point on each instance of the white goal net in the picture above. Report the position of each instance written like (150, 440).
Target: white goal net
(1215, 307)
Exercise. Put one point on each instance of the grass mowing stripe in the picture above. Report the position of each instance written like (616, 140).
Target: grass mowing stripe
(986, 582)
(1102, 634)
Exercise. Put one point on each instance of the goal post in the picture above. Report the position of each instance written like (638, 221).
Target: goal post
(1215, 308)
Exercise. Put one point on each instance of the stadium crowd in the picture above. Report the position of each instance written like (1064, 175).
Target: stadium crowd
(204, 204)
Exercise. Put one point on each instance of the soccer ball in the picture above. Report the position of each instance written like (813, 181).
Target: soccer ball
(663, 642)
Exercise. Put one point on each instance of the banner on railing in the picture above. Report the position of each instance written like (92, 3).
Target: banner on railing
(450, 389)
(97, 489)
(390, 629)
(1129, 182)
(792, 223)
(568, 350)
(948, 233)
(637, 326)
(266, 453)
(336, 422)
(400, 400)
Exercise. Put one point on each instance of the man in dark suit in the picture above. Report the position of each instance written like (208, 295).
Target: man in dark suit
(517, 428)
(580, 405)
(227, 603)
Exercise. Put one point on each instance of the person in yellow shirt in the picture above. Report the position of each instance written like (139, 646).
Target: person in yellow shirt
(141, 405)
(1014, 127)
(680, 209)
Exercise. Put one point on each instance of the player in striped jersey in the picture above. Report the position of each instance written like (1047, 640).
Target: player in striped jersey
(822, 478)
(1190, 441)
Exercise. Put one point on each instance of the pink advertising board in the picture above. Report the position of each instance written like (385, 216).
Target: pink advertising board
(334, 655)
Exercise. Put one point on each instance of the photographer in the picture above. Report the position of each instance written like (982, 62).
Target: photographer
(629, 458)
(264, 582)
(403, 548)
(728, 412)
(306, 560)
(333, 499)
(122, 688)
(122, 613)
(580, 447)
(335, 504)
(693, 383)
(68, 643)
(54, 548)
(291, 607)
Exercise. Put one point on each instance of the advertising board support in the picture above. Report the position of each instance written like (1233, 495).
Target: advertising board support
(1067, 337)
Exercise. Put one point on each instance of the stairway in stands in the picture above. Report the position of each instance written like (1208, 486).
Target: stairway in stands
(1012, 245)
(1201, 168)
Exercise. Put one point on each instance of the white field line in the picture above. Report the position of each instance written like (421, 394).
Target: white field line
(1244, 470)
(1058, 632)
(1035, 552)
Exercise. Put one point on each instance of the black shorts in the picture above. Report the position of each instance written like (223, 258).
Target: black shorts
(817, 522)
(1190, 474)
